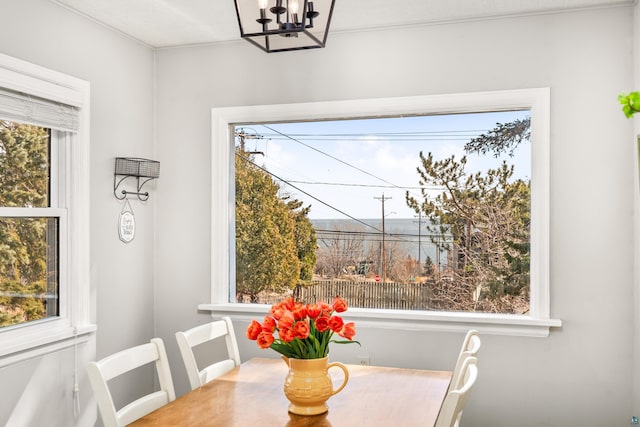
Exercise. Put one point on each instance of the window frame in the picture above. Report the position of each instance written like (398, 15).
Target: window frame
(70, 203)
(537, 100)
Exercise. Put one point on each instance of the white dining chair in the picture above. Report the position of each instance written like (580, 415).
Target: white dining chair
(193, 337)
(454, 402)
(120, 363)
(470, 346)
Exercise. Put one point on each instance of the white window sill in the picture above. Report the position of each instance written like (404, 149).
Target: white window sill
(500, 324)
(41, 340)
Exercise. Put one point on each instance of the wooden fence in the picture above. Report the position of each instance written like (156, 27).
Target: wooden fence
(388, 295)
(402, 296)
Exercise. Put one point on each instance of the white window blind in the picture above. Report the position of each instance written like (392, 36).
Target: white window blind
(29, 109)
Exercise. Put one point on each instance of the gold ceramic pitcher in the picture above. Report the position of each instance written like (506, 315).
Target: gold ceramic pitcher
(308, 385)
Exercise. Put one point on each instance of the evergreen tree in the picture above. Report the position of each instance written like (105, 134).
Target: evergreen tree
(24, 180)
(487, 215)
(275, 243)
(305, 236)
(504, 138)
(429, 266)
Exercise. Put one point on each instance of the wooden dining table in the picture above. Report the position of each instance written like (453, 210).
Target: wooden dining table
(252, 395)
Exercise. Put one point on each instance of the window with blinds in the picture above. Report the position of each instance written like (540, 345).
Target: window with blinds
(29, 224)
(32, 135)
(44, 210)
(30, 109)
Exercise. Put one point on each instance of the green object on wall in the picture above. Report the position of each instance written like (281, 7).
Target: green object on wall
(630, 103)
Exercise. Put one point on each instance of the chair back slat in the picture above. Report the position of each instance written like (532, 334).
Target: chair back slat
(193, 337)
(454, 402)
(120, 363)
(470, 346)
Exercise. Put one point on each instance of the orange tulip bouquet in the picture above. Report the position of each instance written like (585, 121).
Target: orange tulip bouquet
(302, 331)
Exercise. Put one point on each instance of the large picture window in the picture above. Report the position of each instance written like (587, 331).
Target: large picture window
(483, 251)
(428, 212)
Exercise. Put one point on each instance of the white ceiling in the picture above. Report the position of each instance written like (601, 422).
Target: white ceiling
(166, 23)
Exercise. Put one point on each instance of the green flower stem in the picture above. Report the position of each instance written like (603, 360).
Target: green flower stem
(300, 350)
(315, 349)
(324, 345)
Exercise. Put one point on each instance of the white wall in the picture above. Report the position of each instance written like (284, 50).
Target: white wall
(636, 196)
(38, 391)
(582, 373)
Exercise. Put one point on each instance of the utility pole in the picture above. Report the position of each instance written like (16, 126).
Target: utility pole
(419, 238)
(438, 259)
(382, 251)
(242, 136)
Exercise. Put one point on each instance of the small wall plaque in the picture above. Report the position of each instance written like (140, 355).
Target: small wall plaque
(127, 223)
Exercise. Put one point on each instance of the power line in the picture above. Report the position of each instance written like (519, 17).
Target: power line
(393, 240)
(307, 194)
(334, 158)
(290, 183)
(381, 232)
(392, 185)
(395, 237)
(373, 137)
(343, 184)
(458, 134)
(368, 233)
(426, 132)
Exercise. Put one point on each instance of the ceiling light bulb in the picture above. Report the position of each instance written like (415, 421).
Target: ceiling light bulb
(262, 4)
(293, 6)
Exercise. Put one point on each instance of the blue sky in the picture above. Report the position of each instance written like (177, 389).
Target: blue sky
(342, 168)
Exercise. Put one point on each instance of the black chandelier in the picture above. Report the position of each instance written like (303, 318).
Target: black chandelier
(282, 25)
